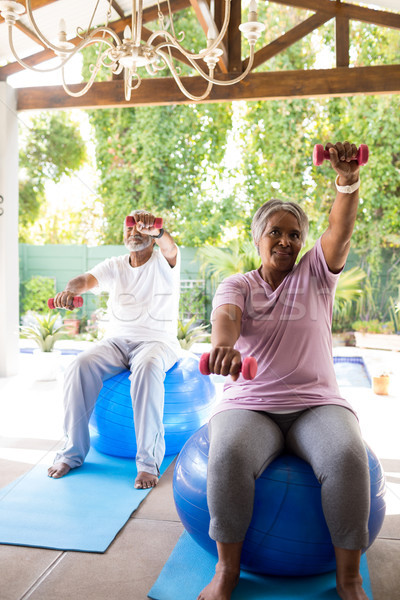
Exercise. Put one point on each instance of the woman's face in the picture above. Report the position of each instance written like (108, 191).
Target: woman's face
(280, 242)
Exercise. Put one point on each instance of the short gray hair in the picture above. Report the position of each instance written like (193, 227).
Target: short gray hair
(270, 207)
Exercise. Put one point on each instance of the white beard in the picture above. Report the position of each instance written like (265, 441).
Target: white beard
(135, 246)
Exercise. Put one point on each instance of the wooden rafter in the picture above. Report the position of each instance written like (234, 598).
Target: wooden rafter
(341, 80)
(288, 39)
(350, 11)
(117, 9)
(257, 86)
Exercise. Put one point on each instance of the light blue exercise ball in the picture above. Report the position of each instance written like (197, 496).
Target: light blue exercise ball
(288, 534)
(189, 397)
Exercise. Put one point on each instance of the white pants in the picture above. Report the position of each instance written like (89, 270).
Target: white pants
(148, 363)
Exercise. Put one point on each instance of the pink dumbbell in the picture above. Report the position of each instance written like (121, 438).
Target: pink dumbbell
(130, 222)
(320, 154)
(77, 302)
(248, 367)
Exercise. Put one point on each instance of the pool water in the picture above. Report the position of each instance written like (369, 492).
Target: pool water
(351, 372)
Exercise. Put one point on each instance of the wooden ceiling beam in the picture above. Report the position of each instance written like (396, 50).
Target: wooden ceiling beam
(256, 86)
(350, 11)
(288, 39)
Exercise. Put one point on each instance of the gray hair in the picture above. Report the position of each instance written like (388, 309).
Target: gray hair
(270, 207)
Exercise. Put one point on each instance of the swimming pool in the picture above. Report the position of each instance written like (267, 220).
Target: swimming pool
(351, 371)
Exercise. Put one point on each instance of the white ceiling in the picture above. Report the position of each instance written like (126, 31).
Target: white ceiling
(76, 13)
(79, 12)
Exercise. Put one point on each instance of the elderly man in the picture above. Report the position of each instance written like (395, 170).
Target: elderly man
(143, 289)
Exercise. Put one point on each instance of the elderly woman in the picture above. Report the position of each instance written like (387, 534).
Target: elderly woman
(281, 314)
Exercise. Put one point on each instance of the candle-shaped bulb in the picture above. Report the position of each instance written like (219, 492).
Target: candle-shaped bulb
(127, 33)
(62, 27)
(253, 10)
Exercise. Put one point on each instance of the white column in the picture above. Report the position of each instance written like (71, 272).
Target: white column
(9, 264)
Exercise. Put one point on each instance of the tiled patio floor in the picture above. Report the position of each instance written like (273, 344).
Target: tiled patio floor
(31, 431)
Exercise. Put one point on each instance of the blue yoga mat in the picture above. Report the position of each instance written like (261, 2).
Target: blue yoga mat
(190, 568)
(83, 510)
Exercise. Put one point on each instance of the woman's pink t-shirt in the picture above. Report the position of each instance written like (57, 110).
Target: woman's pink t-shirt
(288, 331)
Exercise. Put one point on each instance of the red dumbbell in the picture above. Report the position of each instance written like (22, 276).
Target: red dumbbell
(320, 154)
(248, 367)
(130, 222)
(77, 302)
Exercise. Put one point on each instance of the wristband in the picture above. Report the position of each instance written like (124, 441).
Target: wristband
(157, 237)
(347, 189)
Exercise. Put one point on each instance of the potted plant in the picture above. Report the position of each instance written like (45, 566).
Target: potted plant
(380, 384)
(189, 334)
(71, 322)
(44, 330)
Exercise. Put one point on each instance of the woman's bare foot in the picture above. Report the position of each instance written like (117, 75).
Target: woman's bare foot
(221, 586)
(351, 591)
(58, 470)
(145, 480)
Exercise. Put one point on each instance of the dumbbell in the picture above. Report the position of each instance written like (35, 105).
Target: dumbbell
(320, 154)
(248, 367)
(130, 222)
(77, 302)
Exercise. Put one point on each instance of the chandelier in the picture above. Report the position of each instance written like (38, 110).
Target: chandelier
(130, 54)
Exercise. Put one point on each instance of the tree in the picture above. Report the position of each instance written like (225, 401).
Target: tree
(52, 147)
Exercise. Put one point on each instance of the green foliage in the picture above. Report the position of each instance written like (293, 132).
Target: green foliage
(192, 301)
(53, 147)
(162, 159)
(239, 257)
(44, 332)
(189, 333)
(348, 291)
(35, 293)
(373, 326)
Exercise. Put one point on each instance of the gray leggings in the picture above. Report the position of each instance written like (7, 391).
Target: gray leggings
(244, 442)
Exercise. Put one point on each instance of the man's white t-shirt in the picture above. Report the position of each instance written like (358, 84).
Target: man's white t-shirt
(143, 301)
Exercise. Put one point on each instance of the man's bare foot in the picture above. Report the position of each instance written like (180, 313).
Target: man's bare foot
(221, 586)
(351, 591)
(58, 470)
(145, 480)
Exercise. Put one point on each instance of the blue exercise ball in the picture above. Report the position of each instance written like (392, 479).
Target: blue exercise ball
(288, 534)
(189, 398)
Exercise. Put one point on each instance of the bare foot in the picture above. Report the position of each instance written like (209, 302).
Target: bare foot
(221, 586)
(145, 480)
(58, 470)
(351, 590)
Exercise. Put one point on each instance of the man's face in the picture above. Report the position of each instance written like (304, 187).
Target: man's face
(135, 241)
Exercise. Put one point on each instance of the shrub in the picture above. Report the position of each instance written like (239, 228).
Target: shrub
(35, 293)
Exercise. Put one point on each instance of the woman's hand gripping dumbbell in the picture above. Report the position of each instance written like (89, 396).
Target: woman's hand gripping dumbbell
(77, 302)
(320, 154)
(248, 367)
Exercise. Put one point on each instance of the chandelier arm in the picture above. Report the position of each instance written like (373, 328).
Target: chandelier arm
(182, 87)
(208, 77)
(86, 87)
(58, 49)
(185, 52)
(24, 64)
